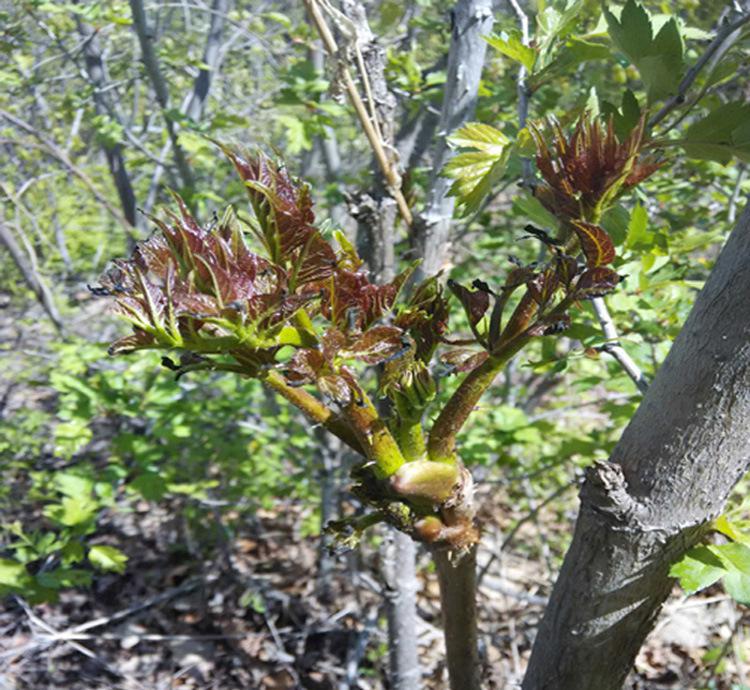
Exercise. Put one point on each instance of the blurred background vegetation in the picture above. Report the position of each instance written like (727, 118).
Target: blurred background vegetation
(97, 455)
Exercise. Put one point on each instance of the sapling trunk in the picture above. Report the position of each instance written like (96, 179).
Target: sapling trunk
(458, 583)
(400, 590)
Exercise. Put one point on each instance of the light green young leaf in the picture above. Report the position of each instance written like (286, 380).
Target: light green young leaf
(724, 525)
(475, 172)
(734, 556)
(13, 574)
(72, 511)
(479, 136)
(108, 558)
(73, 485)
(737, 586)
(697, 569)
(558, 22)
(638, 234)
(512, 46)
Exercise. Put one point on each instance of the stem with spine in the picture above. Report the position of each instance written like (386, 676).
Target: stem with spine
(314, 409)
(374, 436)
(410, 438)
(441, 445)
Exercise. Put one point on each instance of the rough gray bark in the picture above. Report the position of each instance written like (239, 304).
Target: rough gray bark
(151, 63)
(672, 471)
(470, 21)
(458, 585)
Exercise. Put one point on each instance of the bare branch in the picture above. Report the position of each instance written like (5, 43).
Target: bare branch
(369, 126)
(55, 151)
(151, 63)
(725, 38)
(523, 92)
(31, 276)
(613, 346)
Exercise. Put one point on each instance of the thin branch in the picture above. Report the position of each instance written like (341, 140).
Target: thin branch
(523, 92)
(96, 76)
(531, 515)
(194, 104)
(32, 277)
(314, 409)
(441, 445)
(728, 34)
(153, 70)
(732, 208)
(613, 346)
(391, 174)
(56, 152)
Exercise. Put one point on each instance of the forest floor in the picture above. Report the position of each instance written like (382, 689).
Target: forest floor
(250, 613)
(253, 618)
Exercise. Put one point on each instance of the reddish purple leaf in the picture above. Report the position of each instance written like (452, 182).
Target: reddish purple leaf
(474, 302)
(595, 242)
(596, 282)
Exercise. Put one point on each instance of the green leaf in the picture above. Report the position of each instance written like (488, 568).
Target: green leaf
(572, 53)
(475, 172)
(737, 586)
(72, 511)
(108, 558)
(13, 574)
(734, 556)
(616, 221)
(150, 485)
(723, 133)
(531, 208)
(63, 577)
(697, 569)
(638, 235)
(511, 45)
(659, 59)
(662, 68)
(480, 136)
(279, 18)
(627, 116)
(632, 33)
(74, 485)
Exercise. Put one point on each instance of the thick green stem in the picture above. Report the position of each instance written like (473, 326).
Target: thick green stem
(380, 445)
(410, 438)
(441, 446)
(314, 409)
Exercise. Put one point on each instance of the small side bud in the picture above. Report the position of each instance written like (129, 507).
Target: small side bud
(429, 529)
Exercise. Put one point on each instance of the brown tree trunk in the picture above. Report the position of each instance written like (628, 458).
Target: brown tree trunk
(672, 472)
(458, 586)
